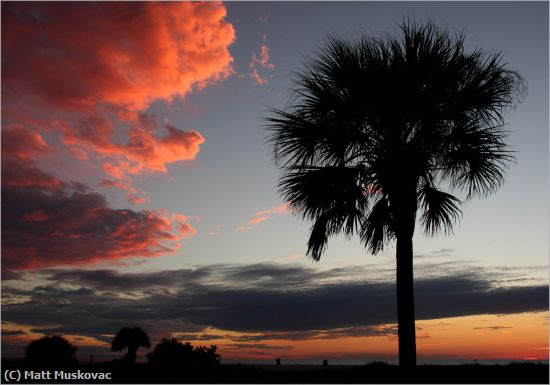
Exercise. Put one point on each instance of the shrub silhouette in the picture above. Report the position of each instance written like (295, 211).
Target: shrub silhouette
(206, 357)
(51, 351)
(131, 338)
(170, 353)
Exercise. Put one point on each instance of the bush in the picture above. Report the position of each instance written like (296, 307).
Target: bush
(50, 351)
(170, 353)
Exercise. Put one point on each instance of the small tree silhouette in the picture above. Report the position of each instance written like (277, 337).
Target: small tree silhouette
(170, 353)
(131, 338)
(51, 351)
(207, 357)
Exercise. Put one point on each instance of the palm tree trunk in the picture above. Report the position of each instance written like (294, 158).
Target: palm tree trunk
(405, 302)
(132, 354)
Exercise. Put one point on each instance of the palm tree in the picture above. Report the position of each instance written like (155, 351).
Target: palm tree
(131, 338)
(380, 128)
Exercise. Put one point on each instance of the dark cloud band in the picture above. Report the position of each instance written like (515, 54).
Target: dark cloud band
(265, 300)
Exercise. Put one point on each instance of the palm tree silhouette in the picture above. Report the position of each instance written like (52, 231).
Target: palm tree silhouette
(131, 338)
(379, 128)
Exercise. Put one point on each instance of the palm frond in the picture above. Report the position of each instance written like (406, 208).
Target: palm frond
(476, 157)
(376, 114)
(376, 229)
(312, 191)
(324, 226)
(440, 210)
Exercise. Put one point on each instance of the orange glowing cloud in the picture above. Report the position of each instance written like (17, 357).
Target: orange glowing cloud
(89, 69)
(255, 221)
(144, 150)
(51, 222)
(77, 55)
(262, 216)
(281, 209)
(184, 228)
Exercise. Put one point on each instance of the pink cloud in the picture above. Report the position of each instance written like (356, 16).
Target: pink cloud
(22, 143)
(89, 69)
(144, 151)
(281, 209)
(184, 228)
(78, 153)
(256, 220)
(138, 200)
(70, 225)
(43, 232)
(262, 61)
(262, 216)
(49, 222)
(133, 196)
(20, 146)
(256, 76)
(124, 186)
(77, 55)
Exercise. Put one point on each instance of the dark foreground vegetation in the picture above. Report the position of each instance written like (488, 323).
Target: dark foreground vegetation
(51, 359)
(124, 372)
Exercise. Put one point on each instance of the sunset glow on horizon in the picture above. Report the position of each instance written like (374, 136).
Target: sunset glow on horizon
(138, 189)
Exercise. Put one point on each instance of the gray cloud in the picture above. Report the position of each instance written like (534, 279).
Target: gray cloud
(493, 327)
(263, 301)
(12, 332)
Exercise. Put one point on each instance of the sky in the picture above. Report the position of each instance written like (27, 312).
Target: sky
(138, 188)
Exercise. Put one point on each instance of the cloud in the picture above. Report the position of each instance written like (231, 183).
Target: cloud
(184, 228)
(263, 301)
(125, 184)
(257, 77)
(262, 216)
(493, 327)
(77, 55)
(256, 220)
(20, 146)
(12, 332)
(293, 258)
(259, 346)
(260, 60)
(47, 221)
(302, 335)
(64, 226)
(144, 151)
(281, 210)
(22, 143)
(89, 69)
